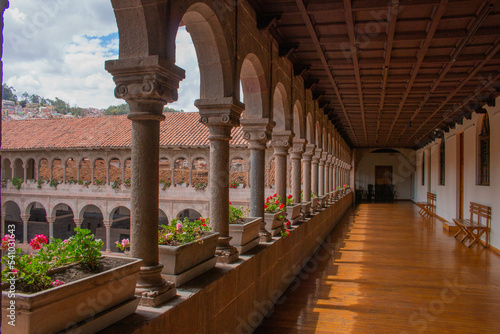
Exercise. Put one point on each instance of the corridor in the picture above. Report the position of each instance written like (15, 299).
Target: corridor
(385, 269)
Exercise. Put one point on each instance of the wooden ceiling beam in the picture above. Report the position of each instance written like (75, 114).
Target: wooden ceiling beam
(321, 54)
(421, 55)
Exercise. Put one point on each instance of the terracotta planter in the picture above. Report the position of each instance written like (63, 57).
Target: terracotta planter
(178, 259)
(245, 236)
(322, 202)
(273, 223)
(306, 209)
(111, 292)
(293, 213)
(314, 204)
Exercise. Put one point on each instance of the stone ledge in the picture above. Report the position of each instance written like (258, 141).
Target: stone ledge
(239, 295)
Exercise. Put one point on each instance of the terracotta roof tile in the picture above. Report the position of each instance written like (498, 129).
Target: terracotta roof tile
(178, 129)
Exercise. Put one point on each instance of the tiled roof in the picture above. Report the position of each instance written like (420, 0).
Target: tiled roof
(178, 129)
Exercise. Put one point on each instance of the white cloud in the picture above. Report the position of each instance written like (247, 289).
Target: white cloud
(58, 48)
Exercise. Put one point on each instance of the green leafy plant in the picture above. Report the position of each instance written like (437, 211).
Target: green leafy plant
(235, 214)
(39, 183)
(116, 185)
(4, 183)
(272, 204)
(54, 183)
(234, 184)
(71, 181)
(127, 182)
(180, 183)
(200, 186)
(166, 185)
(98, 182)
(289, 200)
(180, 233)
(17, 182)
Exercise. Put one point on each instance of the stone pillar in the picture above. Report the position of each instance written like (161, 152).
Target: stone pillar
(220, 116)
(51, 220)
(190, 175)
(268, 171)
(3, 225)
(296, 153)
(37, 171)
(123, 172)
(92, 174)
(107, 225)
(64, 172)
(173, 175)
(332, 180)
(321, 175)
(281, 144)
(314, 170)
(107, 173)
(25, 219)
(25, 172)
(288, 174)
(78, 222)
(306, 161)
(147, 84)
(50, 171)
(256, 132)
(327, 174)
(78, 171)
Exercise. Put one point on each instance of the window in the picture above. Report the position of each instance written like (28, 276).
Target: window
(423, 168)
(484, 154)
(442, 163)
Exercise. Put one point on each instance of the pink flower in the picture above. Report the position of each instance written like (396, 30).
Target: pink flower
(14, 271)
(125, 243)
(5, 242)
(179, 226)
(38, 241)
(57, 283)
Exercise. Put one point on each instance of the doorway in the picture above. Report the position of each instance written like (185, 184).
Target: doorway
(384, 189)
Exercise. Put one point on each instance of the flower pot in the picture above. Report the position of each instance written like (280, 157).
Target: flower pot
(245, 236)
(314, 204)
(293, 213)
(273, 222)
(98, 300)
(185, 262)
(306, 209)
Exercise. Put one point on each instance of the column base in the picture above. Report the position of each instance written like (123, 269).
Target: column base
(227, 255)
(156, 297)
(265, 236)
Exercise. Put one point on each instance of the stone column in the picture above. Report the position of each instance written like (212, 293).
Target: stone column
(327, 174)
(147, 84)
(107, 173)
(220, 116)
(296, 153)
(37, 171)
(190, 175)
(306, 161)
(3, 225)
(256, 132)
(51, 220)
(78, 222)
(25, 172)
(107, 225)
(314, 170)
(25, 219)
(288, 175)
(321, 175)
(281, 143)
(50, 171)
(268, 179)
(92, 174)
(78, 171)
(64, 172)
(123, 172)
(173, 175)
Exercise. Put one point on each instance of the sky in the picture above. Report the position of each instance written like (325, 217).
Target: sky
(57, 48)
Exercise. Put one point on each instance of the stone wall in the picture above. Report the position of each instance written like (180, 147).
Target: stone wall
(235, 298)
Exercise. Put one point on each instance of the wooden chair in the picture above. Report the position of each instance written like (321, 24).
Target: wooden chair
(475, 228)
(427, 208)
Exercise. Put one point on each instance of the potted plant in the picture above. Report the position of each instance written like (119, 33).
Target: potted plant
(234, 184)
(165, 185)
(273, 214)
(314, 202)
(181, 183)
(116, 185)
(244, 231)
(200, 186)
(292, 211)
(48, 297)
(187, 249)
(123, 245)
(127, 183)
(17, 182)
(306, 206)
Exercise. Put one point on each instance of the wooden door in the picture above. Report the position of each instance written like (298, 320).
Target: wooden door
(383, 174)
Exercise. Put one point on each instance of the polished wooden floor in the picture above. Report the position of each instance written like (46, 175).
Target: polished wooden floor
(385, 269)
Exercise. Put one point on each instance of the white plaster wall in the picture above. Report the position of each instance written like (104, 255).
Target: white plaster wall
(447, 195)
(402, 171)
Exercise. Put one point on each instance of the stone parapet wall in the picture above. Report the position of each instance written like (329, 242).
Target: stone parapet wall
(235, 298)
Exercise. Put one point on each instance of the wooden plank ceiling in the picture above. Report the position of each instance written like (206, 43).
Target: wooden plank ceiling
(388, 72)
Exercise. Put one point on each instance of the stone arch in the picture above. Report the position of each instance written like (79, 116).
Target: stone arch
(6, 169)
(18, 170)
(64, 224)
(298, 121)
(162, 218)
(190, 213)
(40, 203)
(71, 170)
(255, 88)
(238, 172)
(200, 170)
(85, 166)
(120, 227)
(165, 169)
(212, 51)
(91, 206)
(57, 169)
(115, 170)
(281, 110)
(30, 173)
(38, 224)
(181, 170)
(318, 135)
(99, 170)
(92, 216)
(12, 211)
(128, 168)
(44, 169)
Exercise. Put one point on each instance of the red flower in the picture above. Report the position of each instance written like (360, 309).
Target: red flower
(288, 223)
(230, 203)
(265, 206)
(204, 225)
(276, 202)
(281, 206)
(275, 195)
(38, 241)
(289, 196)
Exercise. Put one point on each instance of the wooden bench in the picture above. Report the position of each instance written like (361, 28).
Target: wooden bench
(475, 228)
(427, 208)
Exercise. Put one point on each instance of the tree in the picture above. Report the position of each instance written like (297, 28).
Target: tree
(35, 99)
(9, 93)
(25, 96)
(23, 103)
(167, 109)
(76, 111)
(122, 109)
(60, 106)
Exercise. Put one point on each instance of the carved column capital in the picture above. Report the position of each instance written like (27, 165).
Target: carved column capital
(317, 155)
(298, 148)
(51, 219)
(25, 218)
(107, 223)
(282, 139)
(220, 115)
(309, 152)
(257, 132)
(146, 83)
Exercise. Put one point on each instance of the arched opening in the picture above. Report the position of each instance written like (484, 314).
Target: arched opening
(238, 174)
(99, 172)
(30, 172)
(85, 170)
(128, 171)
(13, 217)
(37, 220)
(44, 170)
(71, 171)
(200, 173)
(18, 169)
(181, 172)
(120, 228)
(272, 174)
(162, 218)
(254, 88)
(165, 173)
(310, 129)
(191, 214)
(92, 219)
(64, 223)
(6, 169)
(57, 170)
(115, 171)
(281, 114)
